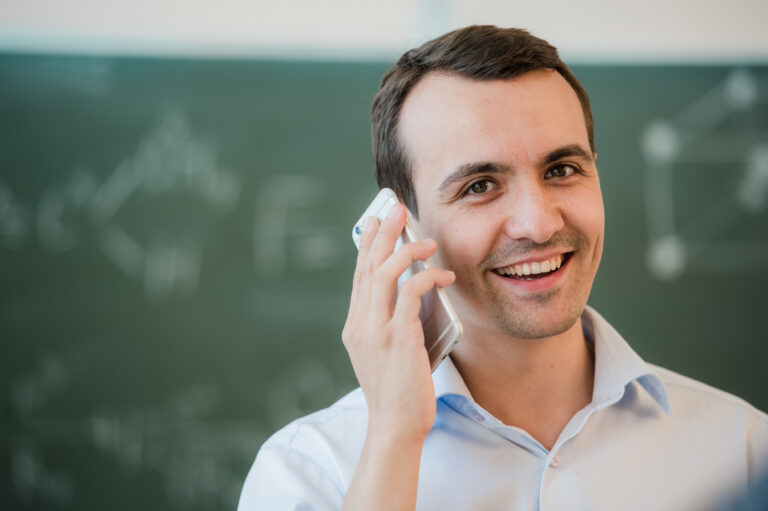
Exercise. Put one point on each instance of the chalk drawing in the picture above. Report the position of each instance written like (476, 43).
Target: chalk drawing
(695, 135)
(34, 481)
(286, 232)
(170, 163)
(195, 454)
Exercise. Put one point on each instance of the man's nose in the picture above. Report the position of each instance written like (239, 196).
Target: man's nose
(533, 213)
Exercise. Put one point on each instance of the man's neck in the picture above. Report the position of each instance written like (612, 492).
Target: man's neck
(534, 384)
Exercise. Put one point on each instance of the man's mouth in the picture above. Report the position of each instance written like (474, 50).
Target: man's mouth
(531, 270)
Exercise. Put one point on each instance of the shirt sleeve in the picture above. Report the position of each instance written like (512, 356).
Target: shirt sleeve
(757, 445)
(285, 479)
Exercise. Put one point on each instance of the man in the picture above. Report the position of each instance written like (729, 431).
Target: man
(487, 137)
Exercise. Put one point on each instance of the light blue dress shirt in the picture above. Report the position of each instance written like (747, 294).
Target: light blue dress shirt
(650, 439)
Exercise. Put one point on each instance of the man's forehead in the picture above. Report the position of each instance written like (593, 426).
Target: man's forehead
(440, 89)
(449, 120)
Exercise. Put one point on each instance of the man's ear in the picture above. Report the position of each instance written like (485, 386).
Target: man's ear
(594, 155)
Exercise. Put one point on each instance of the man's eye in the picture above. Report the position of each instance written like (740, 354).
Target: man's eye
(479, 187)
(561, 171)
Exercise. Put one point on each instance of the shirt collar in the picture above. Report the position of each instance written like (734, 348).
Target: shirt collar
(448, 381)
(616, 365)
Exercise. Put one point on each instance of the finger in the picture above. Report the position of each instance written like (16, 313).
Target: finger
(385, 279)
(409, 297)
(370, 227)
(386, 238)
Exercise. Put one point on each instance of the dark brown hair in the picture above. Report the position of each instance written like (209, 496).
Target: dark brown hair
(479, 52)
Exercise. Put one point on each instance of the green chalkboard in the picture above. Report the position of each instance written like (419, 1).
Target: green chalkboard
(175, 257)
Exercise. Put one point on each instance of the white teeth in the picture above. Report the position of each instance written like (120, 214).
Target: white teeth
(533, 268)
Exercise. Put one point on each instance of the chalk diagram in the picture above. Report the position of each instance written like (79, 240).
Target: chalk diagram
(176, 174)
(171, 166)
(286, 233)
(174, 178)
(723, 132)
(150, 217)
(194, 453)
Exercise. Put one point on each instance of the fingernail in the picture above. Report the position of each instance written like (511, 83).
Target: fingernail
(394, 211)
(369, 223)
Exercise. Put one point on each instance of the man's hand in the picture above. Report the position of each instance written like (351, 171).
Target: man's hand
(385, 341)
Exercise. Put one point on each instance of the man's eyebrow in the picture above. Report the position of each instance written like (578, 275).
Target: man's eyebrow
(566, 151)
(470, 169)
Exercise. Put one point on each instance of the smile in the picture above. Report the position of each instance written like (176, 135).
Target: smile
(531, 270)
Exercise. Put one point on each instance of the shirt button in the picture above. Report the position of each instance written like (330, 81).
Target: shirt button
(477, 416)
(555, 461)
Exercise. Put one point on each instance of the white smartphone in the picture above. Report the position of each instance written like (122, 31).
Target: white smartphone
(442, 328)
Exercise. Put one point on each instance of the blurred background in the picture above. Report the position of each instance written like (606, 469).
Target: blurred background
(178, 183)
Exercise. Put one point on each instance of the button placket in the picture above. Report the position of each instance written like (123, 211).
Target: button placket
(555, 461)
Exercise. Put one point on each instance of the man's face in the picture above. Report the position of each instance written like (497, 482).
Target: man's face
(504, 176)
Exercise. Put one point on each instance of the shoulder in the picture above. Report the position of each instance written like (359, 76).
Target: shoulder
(688, 395)
(346, 418)
(310, 460)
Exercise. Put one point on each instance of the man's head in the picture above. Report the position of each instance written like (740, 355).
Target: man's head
(504, 173)
(476, 52)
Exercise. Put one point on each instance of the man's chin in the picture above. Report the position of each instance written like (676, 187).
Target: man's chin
(537, 325)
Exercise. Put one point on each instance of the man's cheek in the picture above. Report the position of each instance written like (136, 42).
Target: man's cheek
(453, 255)
(464, 293)
(468, 282)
